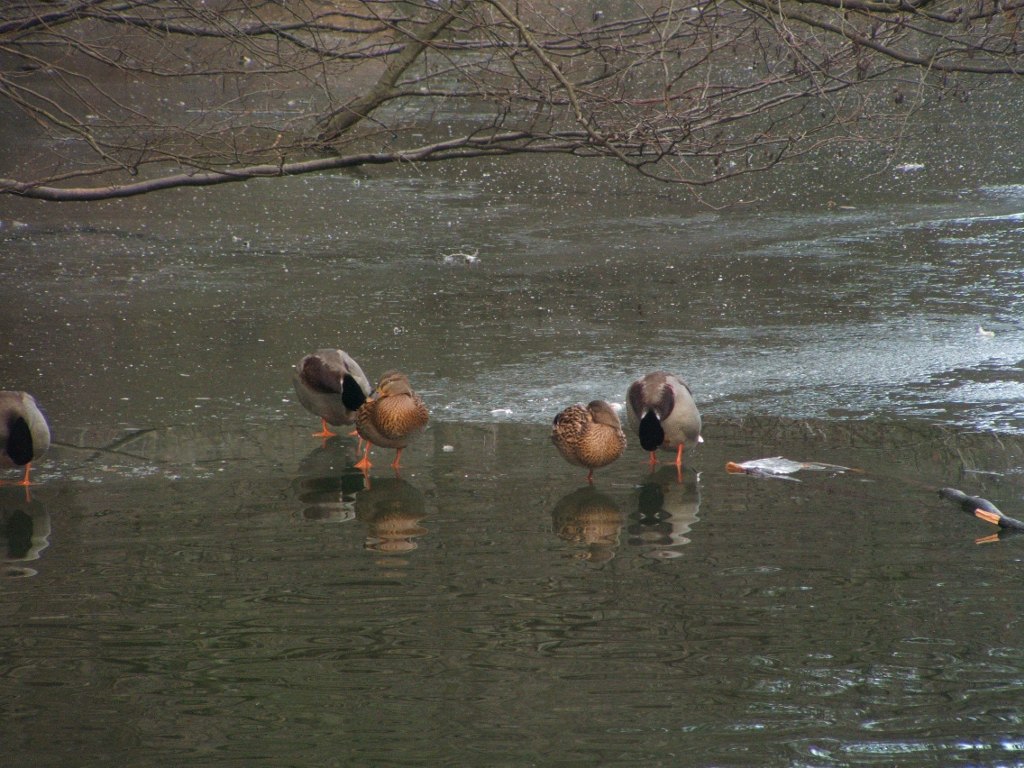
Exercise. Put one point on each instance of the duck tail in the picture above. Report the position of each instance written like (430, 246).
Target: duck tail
(651, 433)
(19, 441)
(352, 394)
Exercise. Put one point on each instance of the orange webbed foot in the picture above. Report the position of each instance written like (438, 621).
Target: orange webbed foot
(364, 463)
(26, 481)
(324, 431)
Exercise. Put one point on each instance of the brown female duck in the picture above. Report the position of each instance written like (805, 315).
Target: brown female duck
(589, 436)
(390, 417)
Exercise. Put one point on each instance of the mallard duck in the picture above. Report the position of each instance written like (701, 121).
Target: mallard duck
(24, 433)
(662, 412)
(589, 436)
(390, 417)
(318, 381)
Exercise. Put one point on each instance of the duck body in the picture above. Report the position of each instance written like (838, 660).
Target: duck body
(391, 417)
(663, 414)
(589, 436)
(24, 433)
(319, 379)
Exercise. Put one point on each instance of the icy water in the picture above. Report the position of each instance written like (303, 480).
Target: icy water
(196, 580)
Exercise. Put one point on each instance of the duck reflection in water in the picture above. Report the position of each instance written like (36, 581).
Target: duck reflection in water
(330, 498)
(24, 534)
(589, 519)
(391, 509)
(328, 483)
(666, 511)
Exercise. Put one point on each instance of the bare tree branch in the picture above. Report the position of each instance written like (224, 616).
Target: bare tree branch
(133, 96)
(340, 120)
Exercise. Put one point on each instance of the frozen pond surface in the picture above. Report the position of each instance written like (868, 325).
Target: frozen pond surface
(849, 313)
(197, 581)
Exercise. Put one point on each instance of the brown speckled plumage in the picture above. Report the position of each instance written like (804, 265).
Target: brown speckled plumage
(391, 417)
(589, 436)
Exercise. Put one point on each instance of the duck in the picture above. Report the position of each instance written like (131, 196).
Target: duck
(24, 433)
(390, 417)
(318, 381)
(662, 412)
(589, 436)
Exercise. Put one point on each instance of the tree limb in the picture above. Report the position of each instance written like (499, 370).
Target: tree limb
(343, 119)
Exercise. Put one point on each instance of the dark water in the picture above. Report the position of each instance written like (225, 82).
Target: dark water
(263, 604)
(197, 581)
